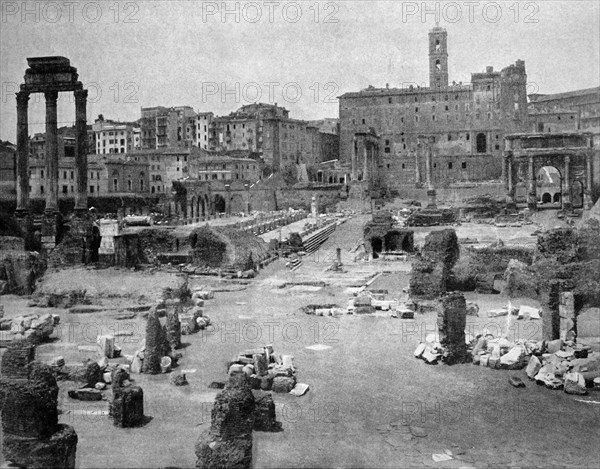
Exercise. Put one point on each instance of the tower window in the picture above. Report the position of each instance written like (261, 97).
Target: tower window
(437, 45)
(438, 65)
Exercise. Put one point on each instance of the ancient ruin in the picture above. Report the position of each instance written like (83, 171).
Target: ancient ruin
(31, 434)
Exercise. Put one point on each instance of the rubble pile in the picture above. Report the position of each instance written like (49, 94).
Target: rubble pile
(31, 434)
(31, 327)
(266, 371)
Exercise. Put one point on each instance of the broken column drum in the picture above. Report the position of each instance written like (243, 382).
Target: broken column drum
(173, 328)
(127, 406)
(31, 434)
(157, 345)
(228, 442)
(452, 320)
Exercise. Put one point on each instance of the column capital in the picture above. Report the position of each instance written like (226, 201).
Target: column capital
(22, 98)
(567, 159)
(51, 96)
(81, 94)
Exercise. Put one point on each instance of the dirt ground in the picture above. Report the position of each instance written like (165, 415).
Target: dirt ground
(370, 403)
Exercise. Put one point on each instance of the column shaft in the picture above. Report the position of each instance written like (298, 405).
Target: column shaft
(566, 198)
(22, 151)
(81, 163)
(51, 151)
(531, 196)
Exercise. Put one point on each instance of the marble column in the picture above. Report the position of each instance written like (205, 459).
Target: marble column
(22, 152)
(431, 194)
(531, 196)
(510, 185)
(51, 151)
(566, 198)
(81, 163)
(587, 195)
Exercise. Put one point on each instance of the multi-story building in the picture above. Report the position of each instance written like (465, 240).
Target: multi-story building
(38, 178)
(220, 167)
(203, 122)
(66, 144)
(115, 137)
(573, 110)
(126, 176)
(463, 123)
(8, 170)
(163, 127)
(164, 166)
(268, 131)
(577, 110)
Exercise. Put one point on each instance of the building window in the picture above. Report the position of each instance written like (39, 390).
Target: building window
(41, 189)
(65, 189)
(403, 166)
(64, 175)
(416, 109)
(449, 165)
(468, 136)
(387, 150)
(115, 184)
(481, 143)
(91, 189)
(72, 174)
(464, 165)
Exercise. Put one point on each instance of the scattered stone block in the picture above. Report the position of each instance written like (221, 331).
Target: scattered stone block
(235, 368)
(554, 346)
(300, 389)
(575, 384)
(266, 382)
(100, 386)
(420, 350)
(261, 364)
(178, 379)
(516, 382)
(533, 367)
(85, 394)
(107, 345)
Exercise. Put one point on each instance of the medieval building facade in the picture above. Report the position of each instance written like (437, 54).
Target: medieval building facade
(464, 123)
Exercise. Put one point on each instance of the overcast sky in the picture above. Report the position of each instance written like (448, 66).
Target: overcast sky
(170, 53)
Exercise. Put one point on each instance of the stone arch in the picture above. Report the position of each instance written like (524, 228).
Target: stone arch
(546, 198)
(557, 197)
(219, 203)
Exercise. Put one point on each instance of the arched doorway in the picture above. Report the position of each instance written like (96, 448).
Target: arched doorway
(577, 194)
(377, 246)
(220, 204)
(556, 199)
(548, 184)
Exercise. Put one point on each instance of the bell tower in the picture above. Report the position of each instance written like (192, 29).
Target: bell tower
(438, 58)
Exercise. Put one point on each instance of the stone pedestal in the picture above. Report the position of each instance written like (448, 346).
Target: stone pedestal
(431, 198)
(50, 222)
